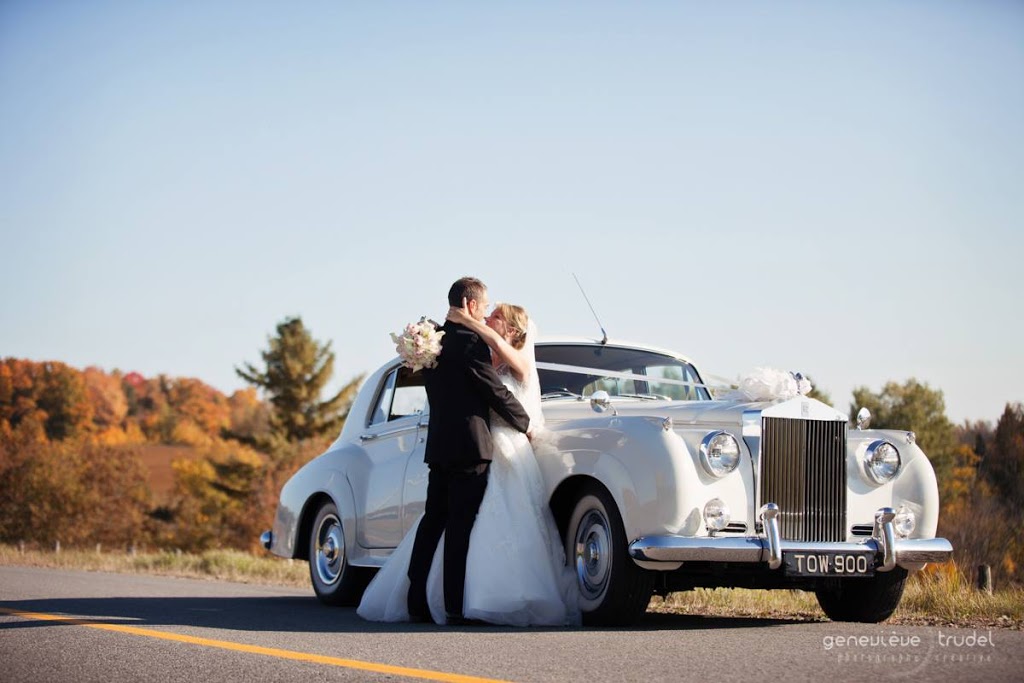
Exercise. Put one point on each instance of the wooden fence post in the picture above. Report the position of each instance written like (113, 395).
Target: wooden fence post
(985, 578)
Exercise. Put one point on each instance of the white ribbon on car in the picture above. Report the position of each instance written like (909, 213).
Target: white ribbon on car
(602, 373)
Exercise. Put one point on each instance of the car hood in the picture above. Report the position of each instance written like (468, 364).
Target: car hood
(696, 412)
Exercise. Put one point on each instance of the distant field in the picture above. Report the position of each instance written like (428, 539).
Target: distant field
(157, 459)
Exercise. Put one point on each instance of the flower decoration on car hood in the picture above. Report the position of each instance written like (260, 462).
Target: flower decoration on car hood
(770, 384)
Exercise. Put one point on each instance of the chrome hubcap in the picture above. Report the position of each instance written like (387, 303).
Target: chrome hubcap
(330, 550)
(593, 558)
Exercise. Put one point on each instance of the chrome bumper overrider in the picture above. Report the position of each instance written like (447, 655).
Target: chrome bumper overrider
(769, 547)
(267, 538)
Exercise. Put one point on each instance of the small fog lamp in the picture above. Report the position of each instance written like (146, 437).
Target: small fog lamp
(716, 515)
(904, 523)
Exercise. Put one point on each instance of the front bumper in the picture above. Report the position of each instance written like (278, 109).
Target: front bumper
(769, 547)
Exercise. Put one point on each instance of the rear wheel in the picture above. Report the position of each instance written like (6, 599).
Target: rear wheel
(335, 581)
(868, 600)
(613, 590)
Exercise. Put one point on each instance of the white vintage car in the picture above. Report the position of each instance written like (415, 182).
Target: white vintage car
(655, 486)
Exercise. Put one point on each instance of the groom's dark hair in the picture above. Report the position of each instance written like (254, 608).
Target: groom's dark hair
(465, 288)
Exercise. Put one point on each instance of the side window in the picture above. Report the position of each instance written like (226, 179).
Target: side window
(382, 409)
(402, 394)
(410, 395)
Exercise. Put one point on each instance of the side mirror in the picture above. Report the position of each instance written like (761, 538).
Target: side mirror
(600, 402)
(863, 418)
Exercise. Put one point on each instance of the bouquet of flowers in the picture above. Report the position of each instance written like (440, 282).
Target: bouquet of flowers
(419, 344)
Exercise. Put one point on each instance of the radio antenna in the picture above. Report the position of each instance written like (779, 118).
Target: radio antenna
(604, 337)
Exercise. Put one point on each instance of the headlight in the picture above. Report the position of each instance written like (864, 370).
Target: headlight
(716, 515)
(719, 453)
(881, 461)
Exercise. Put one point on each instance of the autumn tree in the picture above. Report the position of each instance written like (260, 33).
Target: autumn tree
(51, 392)
(913, 406)
(149, 406)
(217, 499)
(110, 406)
(18, 393)
(297, 367)
(250, 417)
(198, 408)
(71, 491)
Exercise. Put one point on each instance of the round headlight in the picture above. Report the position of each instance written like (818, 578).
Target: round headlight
(719, 453)
(881, 461)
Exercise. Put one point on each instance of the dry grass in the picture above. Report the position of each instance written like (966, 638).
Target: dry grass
(942, 599)
(224, 565)
(936, 600)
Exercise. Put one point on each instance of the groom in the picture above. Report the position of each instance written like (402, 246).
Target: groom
(461, 390)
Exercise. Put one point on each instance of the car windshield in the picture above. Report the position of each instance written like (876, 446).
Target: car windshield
(568, 370)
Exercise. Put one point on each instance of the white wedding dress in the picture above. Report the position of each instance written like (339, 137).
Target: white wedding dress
(515, 569)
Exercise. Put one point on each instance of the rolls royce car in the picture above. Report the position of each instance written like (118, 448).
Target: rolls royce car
(655, 484)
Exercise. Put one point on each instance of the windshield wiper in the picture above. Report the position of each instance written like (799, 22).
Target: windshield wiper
(561, 393)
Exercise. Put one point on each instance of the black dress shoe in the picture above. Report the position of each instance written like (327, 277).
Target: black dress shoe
(459, 620)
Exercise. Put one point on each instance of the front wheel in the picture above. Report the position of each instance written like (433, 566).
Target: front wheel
(869, 600)
(335, 581)
(613, 590)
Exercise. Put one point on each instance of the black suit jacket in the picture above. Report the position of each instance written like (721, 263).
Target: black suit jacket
(462, 390)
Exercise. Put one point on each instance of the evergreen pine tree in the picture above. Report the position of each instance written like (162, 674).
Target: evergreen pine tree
(1003, 466)
(297, 369)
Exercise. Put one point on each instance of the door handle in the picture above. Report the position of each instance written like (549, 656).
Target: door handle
(370, 436)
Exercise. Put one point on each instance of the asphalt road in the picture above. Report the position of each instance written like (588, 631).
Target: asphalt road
(83, 626)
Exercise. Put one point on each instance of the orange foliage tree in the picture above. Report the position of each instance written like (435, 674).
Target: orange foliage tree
(73, 491)
(50, 392)
(67, 472)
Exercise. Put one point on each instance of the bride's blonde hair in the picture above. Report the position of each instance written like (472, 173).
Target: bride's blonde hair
(516, 321)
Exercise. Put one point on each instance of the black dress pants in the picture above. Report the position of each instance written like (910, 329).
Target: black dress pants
(453, 499)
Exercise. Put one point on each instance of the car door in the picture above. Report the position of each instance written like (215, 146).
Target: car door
(392, 438)
(414, 497)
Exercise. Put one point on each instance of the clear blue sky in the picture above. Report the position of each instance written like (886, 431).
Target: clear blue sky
(827, 186)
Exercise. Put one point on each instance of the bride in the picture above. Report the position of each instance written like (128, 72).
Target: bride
(515, 569)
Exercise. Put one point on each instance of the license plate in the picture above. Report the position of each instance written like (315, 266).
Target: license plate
(828, 563)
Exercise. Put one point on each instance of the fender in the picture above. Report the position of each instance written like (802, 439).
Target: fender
(298, 503)
(635, 458)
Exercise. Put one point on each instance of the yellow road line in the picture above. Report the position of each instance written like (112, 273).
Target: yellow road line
(255, 649)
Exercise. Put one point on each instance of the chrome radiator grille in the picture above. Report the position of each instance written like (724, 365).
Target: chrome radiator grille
(803, 471)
